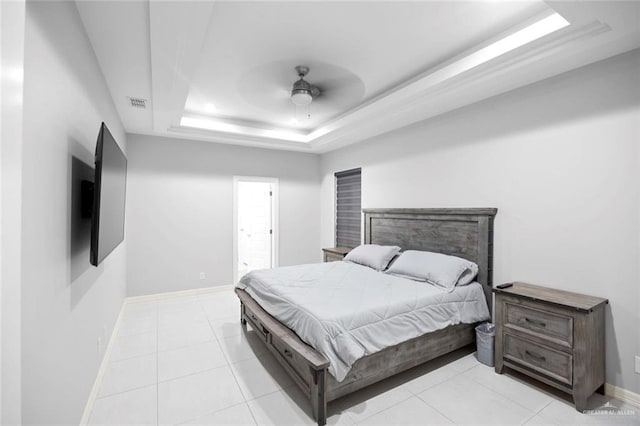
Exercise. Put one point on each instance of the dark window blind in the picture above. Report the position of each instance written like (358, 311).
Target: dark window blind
(348, 207)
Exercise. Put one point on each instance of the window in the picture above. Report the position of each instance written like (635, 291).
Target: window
(348, 207)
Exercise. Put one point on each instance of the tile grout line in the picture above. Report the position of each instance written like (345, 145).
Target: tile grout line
(229, 365)
(539, 411)
(509, 398)
(129, 358)
(208, 413)
(218, 339)
(380, 411)
(206, 370)
(232, 373)
(125, 391)
(458, 373)
(546, 405)
(535, 413)
(436, 410)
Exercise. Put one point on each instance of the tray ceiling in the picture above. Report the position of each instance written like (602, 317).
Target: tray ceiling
(223, 71)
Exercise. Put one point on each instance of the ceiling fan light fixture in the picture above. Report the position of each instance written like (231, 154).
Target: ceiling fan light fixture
(301, 97)
(302, 92)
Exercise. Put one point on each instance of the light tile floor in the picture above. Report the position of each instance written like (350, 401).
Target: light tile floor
(187, 360)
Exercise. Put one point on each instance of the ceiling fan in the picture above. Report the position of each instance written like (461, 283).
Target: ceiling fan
(274, 88)
(303, 92)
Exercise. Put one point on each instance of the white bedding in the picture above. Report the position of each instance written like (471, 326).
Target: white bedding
(347, 311)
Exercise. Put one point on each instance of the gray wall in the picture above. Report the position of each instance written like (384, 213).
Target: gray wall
(559, 159)
(66, 303)
(180, 214)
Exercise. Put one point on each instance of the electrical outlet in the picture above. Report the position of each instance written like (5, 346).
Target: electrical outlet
(202, 275)
(637, 364)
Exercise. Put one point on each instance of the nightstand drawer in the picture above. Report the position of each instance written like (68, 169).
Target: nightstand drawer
(554, 364)
(330, 257)
(335, 254)
(541, 323)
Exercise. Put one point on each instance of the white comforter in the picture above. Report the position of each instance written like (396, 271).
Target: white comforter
(347, 311)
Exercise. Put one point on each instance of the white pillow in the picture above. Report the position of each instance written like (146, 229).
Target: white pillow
(372, 255)
(434, 268)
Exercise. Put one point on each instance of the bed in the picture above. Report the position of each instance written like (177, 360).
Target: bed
(466, 233)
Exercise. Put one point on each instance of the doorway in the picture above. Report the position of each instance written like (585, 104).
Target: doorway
(255, 230)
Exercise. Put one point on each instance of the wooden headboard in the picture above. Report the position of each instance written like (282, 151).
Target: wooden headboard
(466, 233)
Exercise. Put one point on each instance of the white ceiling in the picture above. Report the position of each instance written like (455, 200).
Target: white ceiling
(380, 65)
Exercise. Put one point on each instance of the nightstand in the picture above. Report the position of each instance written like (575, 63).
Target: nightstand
(335, 253)
(554, 336)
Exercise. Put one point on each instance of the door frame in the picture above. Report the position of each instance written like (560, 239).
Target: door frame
(274, 219)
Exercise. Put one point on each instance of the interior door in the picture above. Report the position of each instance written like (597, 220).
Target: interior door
(254, 226)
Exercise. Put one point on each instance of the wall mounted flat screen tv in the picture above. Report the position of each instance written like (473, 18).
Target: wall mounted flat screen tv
(109, 189)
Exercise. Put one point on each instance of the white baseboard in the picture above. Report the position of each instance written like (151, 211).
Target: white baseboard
(622, 394)
(181, 293)
(101, 371)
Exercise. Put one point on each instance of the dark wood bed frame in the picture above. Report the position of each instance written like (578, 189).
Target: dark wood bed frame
(464, 232)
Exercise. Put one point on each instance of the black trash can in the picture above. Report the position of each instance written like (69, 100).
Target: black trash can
(485, 337)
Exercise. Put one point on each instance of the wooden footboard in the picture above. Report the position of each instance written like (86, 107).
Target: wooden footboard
(395, 359)
(308, 368)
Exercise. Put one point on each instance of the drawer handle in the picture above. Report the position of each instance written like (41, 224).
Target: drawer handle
(288, 353)
(534, 322)
(253, 317)
(535, 356)
(264, 329)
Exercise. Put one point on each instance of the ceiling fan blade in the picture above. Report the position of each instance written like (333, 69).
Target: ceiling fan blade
(341, 91)
(337, 83)
(267, 86)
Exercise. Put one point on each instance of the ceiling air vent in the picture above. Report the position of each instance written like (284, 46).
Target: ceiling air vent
(137, 102)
